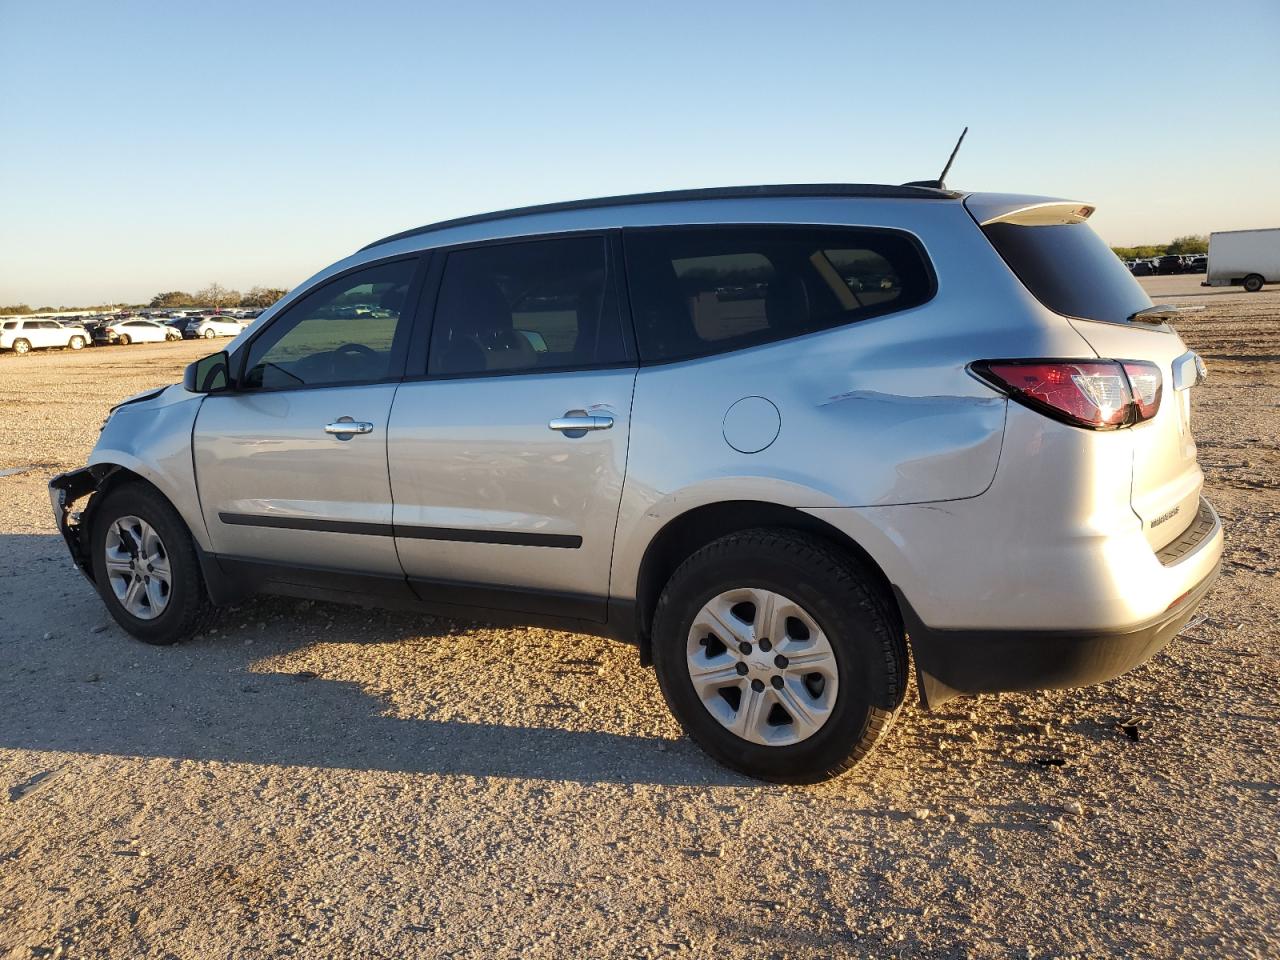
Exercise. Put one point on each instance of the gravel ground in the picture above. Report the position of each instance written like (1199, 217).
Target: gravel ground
(316, 780)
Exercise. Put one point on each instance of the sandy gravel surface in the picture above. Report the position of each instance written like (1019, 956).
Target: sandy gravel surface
(322, 781)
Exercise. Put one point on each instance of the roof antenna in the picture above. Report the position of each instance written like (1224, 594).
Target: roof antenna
(939, 184)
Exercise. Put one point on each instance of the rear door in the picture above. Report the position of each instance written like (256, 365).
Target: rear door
(292, 464)
(507, 454)
(48, 334)
(1071, 270)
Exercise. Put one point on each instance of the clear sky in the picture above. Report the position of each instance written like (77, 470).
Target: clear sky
(149, 146)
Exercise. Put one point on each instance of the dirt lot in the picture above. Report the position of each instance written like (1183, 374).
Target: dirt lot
(318, 780)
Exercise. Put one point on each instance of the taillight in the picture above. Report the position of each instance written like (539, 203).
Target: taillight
(1145, 384)
(1098, 394)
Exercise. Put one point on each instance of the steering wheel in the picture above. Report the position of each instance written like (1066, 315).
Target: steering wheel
(359, 348)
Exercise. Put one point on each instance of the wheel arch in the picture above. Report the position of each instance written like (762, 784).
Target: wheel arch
(688, 532)
(111, 476)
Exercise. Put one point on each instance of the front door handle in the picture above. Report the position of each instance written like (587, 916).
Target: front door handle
(344, 428)
(575, 423)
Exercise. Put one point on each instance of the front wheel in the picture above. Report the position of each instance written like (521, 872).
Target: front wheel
(124, 340)
(21, 346)
(145, 566)
(779, 655)
(77, 343)
(209, 334)
(1253, 283)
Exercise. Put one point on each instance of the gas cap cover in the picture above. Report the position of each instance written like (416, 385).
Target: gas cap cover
(751, 424)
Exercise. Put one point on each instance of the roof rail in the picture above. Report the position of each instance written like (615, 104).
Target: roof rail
(905, 192)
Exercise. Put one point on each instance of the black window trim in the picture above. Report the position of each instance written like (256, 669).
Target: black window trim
(872, 313)
(420, 344)
(400, 344)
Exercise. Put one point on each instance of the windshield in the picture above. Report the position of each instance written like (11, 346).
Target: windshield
(1069, 269)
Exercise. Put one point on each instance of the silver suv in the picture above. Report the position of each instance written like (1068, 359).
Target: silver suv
(777, 437)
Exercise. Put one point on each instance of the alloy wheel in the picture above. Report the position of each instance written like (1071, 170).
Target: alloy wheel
(137, 566)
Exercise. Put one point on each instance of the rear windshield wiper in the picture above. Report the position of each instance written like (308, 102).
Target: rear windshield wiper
(1160, 313)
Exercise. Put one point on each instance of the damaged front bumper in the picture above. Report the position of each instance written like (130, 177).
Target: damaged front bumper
(65, 490)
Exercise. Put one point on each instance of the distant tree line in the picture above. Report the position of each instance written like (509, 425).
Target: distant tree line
(215, 295)
(1191, 243)
(22, 308)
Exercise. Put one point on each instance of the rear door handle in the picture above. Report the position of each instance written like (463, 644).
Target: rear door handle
(575, 423)
(344, 428)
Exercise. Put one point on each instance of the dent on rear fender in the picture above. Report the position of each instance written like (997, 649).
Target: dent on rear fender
(914, 449)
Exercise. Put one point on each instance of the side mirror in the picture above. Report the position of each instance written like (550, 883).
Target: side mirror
(208, 374)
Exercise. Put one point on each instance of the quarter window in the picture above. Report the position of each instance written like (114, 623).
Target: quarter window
(512, 307)
(345, 332)
(706, 290)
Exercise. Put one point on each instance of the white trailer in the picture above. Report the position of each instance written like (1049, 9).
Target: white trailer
(1244, 258)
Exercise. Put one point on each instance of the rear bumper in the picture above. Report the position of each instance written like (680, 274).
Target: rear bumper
(952, 663)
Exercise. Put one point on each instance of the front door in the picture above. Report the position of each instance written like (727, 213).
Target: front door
(507, 460)
(292, 464)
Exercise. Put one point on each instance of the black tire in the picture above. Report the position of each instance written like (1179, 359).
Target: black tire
(862, 625)
(21, 346)
(188, 608)
(1253, 283)
(76, 343)
(124, 340)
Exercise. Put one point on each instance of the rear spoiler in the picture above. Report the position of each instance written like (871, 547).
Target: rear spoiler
(1025, 211)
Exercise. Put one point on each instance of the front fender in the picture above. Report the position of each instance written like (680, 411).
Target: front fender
(153, 440)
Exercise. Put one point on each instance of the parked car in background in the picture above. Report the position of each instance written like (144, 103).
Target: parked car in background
(23, 336)
(1169, 264)
(134, 330)
(210, 327)
(1141, 268)
(1245, 258)
(784, 486)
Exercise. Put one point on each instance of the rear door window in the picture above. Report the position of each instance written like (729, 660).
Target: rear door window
(1069, 269)
(697, 291)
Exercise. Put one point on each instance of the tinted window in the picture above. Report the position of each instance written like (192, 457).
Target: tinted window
(699, 291)
(540, 305)
(1069, 269)
(11, 325)
(345, 332)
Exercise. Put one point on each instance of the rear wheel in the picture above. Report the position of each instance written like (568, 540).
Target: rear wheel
(779, 655)
(22, 346)
(145, 566)
(77, 343)
(1253, 283)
